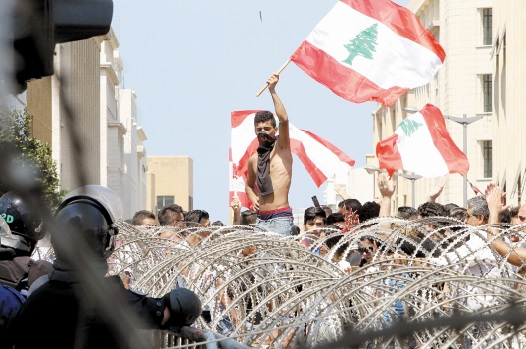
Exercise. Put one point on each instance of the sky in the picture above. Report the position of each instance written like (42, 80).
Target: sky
(191, 63)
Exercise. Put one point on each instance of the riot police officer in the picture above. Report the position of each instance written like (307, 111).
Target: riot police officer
(79, 307)
(20, 230)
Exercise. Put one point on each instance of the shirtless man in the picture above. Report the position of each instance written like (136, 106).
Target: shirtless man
(270, 169)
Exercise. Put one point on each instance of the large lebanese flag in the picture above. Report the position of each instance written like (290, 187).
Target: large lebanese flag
(319, 156)
(422, 144)
(370, 50)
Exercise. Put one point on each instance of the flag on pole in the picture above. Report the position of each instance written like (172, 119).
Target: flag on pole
(237, 185)
(319, 156)
(422, 144)
(370, 50)
(474, 187)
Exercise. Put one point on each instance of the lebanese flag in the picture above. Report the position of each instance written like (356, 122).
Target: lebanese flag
(422, 144)
(237, 185)
(319, 156)
(370, 50)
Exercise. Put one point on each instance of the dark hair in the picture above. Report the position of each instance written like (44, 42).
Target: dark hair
(369, 210)
(166, 214)
(407, 212)
(351, 204)
(139, 216)
(295, 230)
(312, 212)
(218, 224)
(450, 206)
(248, 217)
(458, 213)
(505, 217)
(264, 116)
(196, 216)
(336, 217)
(431, 209)
(327, 209)
(334, 238)
(514, 211)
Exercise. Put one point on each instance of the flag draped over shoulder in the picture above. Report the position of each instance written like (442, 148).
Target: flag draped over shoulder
(370, 50)
(319, 156)
(422, 144)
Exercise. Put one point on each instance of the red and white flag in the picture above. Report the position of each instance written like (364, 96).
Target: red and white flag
(319, 156)
(237, 185)
(370, 50)
(422, 144)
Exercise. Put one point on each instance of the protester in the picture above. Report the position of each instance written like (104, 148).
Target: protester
(270, 169)
(79, 307)
(171, 216)
(144, 217)
(313, 219)
(515, 255)
(197, 218)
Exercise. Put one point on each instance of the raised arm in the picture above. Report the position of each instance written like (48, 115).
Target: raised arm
(281, 113)
(438, 190)
(494, 198)
(387, 188)
(236, 210)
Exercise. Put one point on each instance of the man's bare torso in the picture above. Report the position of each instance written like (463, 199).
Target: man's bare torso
(280, 174)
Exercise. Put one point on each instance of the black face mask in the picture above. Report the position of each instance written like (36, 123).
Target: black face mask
(266, 141)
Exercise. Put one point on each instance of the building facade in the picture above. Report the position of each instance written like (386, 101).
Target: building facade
(172, 184)
(90, 121)
(463, 88)
(66, 110)
(508, 55)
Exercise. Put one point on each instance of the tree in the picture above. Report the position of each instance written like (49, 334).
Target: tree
(29, 154)
(364, 44)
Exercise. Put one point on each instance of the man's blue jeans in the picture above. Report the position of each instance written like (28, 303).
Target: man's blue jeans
(280, 225)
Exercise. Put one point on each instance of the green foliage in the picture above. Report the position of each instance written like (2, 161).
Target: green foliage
(364, 44)
(30, 154)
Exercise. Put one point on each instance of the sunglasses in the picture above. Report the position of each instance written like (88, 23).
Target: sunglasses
(368, 249)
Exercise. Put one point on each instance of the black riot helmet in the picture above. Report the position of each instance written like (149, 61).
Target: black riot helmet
(90, 212)
(22, 228)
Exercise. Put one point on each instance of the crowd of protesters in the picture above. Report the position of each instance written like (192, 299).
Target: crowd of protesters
(85, 235)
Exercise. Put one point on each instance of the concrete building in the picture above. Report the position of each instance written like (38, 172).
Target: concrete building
(67, 107)
(173, 182)
(134, 155)
(462, 88)
(355, 183)
(90, 121)
(508, 55)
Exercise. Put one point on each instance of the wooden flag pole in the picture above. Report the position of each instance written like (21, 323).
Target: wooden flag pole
(278, 72)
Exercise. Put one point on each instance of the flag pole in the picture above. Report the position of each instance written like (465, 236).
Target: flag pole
(278, 72)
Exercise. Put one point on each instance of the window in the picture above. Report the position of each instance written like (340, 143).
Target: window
(164, 200)
(487, 26)
(487, 153)
(487, 89)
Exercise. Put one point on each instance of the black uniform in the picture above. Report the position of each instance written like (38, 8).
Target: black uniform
(61, 314)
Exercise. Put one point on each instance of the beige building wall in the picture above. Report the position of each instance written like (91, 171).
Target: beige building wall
(76, 112)
(509, 72)
(173, 180)
(457, 89)
(69, 107)
(151, 203)
(112, 128)
(39, 105)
